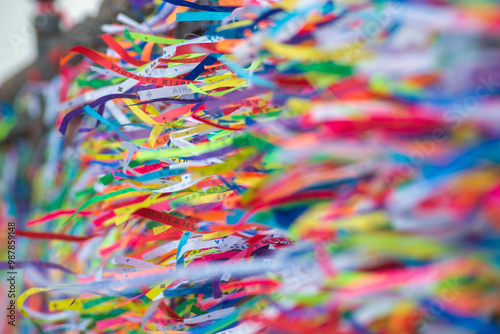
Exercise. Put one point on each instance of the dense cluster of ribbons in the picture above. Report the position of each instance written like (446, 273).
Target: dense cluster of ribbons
(301, 167)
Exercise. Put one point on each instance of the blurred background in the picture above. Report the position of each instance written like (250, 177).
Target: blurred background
(18, 37)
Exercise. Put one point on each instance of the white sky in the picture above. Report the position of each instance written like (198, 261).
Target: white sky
(17, 36)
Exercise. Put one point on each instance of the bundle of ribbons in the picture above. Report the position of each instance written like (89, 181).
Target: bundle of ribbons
(299, 166)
